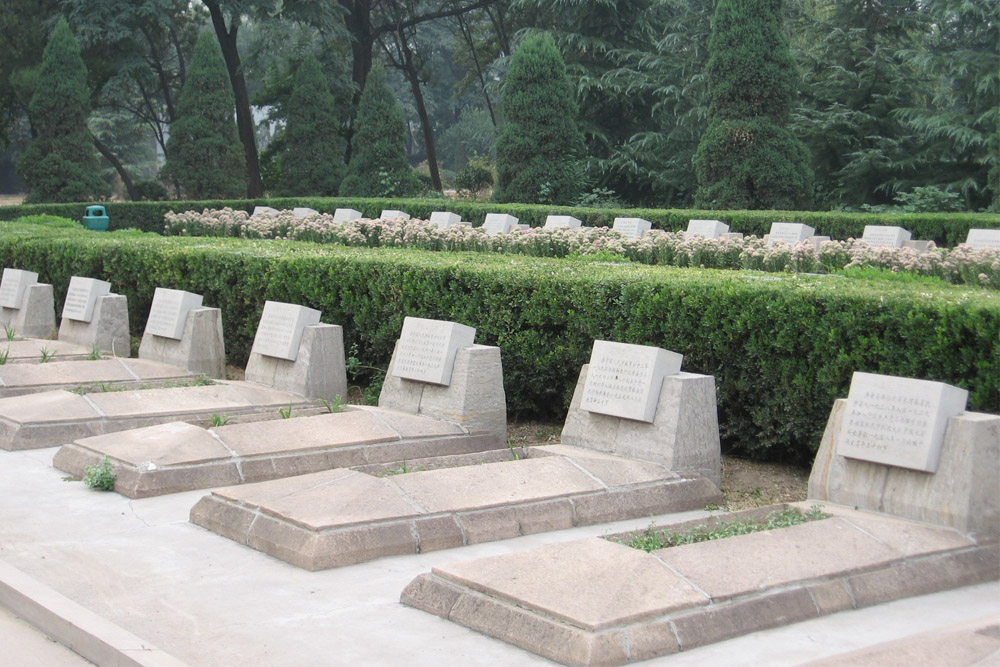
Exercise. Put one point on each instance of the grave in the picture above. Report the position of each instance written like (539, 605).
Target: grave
(300, 212)
(919, 246)
(884, 236)
(31, 351)
(633, 228)
(93, 317)
(392, 214)
(499, 223)
(26, 306)
(182, 333)
(345, 214)
(444, 219)
(709, 229)
(634, 401)
(789, 232)
(894, 532)
(560, 221)
(263, 210)
(983, 238)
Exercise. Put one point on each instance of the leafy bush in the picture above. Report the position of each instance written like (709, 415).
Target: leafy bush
(100, 476)
(474, 179)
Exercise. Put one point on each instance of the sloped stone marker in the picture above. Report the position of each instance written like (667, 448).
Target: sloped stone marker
(180, 457)
(343, 516)
(595, 602)
(20, 379)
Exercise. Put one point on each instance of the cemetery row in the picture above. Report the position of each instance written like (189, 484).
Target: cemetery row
(789, 246)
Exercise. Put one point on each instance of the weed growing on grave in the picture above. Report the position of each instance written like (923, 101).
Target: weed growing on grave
(220, 420)
(403, 469)
(100, 476)
(10, 333)
(47, 355)
(202, 381)
(514, 456)
(652, 539)
(95, 353)
(334, 406)
(285, 413)
(3, 356)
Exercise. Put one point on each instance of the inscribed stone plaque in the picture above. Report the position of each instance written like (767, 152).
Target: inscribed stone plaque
(391, 214)
(345, 214)
(898, 421)
(710, 229)
(498, 223)
(885, 236)
(632, 227)
(789, 232)
(169, 312)
(280, 330)
(263, 210)
(554, 221)
(624, 380)
(444, 219)
(300, 212)
(977, 238)
(427, 349)
(13, 285)
(82, 296)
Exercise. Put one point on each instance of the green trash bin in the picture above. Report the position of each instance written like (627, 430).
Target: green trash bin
(95, 218)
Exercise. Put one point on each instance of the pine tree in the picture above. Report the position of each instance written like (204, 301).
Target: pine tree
(204, 152)
(747, 158)
(540, 145)
(313, 156)
(378, 165)
(60, 164)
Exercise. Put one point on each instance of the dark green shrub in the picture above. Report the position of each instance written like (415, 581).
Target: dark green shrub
(150, 191)
(473, 179)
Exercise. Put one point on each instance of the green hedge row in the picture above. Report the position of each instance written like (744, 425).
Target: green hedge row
(945, 229)
(781, 348)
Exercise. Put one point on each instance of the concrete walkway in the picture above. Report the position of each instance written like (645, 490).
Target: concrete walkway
(206, 600)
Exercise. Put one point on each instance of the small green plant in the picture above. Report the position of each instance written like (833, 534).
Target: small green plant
(514, 456)
(285, 413)
(47, 355)
(100, 476)
(220, 420)
(403, 469)
(3, 356)
(10, 333)
(95, 353)
(334, 406)
(202, 381)
(712, 507)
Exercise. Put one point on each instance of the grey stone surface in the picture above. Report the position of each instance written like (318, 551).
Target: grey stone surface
(107, 330)
(710, 229)
(499, 223)
(789, 232)
(13, 286)
(200, 349)
(426, 349)
(29, 351)
(279, 332)
(81, 297)
(475, 398)
(683, 437)
(886, 236)
(624, 380)
(983, 238)
(36, 318)
(557, 221)
(964, 493)
(169, 310)
(633, 228)
(20, 379)
(318, 371)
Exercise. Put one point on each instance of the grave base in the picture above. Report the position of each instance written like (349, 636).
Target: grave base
(318, 371)
(201, 348)
(29, 351)
(97, 375)
(684, 435)
(36, 318)
(107, 330)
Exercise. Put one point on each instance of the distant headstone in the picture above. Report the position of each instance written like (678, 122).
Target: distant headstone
(427, 349)
(345, 214)
(817, 241)
(884, 236)
(280, 330)
(918, 245)
(732, 236)
(631, 227)
(624, 380)
(977, 238)
(498, 223)
(169, 311)
(390, 214)
(263, 210)
(710, 229)
(13, 286)
(300, 212)
(556, 221)
(444, 219)
(789, 232)
(898, 421)
(81, 297)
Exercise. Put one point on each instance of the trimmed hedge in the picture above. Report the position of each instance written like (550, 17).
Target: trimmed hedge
(945, 229)
(781, 348)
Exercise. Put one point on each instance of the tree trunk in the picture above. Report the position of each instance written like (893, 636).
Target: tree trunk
(244, 116)
(418, 97)
(119, 167)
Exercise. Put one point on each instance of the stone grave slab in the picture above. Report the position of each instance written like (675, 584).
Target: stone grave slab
(633, 228)
(81, 297)
(36, 318)
(444, 219)
(52, 418)
(340, 517)
(885, 236)
(345, 214)
(983, 238)
(624, 380)
(263, 210)
(319, 368)
(178, 456)
(789, 232)
(560, 221)
(302, 212)
(918, 245)
(14, 285)
(280, 329)
(393, 214)
(199, 348)
(427, 349)
(597, 602)
(107, 330)
(499, 223)
(709, 229)
(169, 310)
(898, 421)
(29, 351)
(97, 375)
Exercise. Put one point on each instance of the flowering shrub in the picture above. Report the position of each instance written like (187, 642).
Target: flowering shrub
(962, 264)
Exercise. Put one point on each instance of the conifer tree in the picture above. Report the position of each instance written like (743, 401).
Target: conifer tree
(747, 158)
(313, 156)
(378, 165)
(60, 163)
(540, 145)
(204, 152)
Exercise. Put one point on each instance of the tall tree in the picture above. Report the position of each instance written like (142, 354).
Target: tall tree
(378, 166)
(540, 145)
(747, 158)
(60, 164)
(203, 149)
